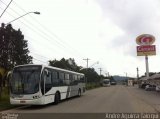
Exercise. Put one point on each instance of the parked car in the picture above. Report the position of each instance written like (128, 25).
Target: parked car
(150, 87)
(143, 85)
(158, 88)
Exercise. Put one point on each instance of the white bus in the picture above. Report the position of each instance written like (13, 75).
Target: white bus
(106, 82)
(40, 85)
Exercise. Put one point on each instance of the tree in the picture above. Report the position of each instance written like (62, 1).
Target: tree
(68, 64)
(91, 75)
(13, 48)
(0, 86)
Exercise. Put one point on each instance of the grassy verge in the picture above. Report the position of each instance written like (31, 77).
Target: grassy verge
(4, 100)
(92, 85)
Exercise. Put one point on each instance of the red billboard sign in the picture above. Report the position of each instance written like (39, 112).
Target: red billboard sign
(145, 39)
(146, 50)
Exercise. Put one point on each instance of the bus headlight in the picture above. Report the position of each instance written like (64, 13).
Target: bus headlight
(36, 96)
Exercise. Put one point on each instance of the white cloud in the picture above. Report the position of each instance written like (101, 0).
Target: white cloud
(102, 30)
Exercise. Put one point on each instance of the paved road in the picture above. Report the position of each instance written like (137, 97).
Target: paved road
(101, 100)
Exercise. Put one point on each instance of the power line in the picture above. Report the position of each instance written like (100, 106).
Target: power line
(37, 42)
(25, 25)
(35, 31)
(47, 29)
(59, 41)
(44, 34)
(39, 55)
(5, 8)
(40, 60)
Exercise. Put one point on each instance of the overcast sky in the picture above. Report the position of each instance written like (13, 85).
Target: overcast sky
(101, 30)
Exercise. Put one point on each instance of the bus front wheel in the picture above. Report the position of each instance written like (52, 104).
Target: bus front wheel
(57, 98)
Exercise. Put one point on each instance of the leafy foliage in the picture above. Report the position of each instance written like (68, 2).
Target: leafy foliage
(91, 75)
(69, 64)
(13, 48)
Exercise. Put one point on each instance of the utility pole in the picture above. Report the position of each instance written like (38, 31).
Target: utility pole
(87, 61)
(137, 73)
(147, 66)
(126, 74)
(107, 74)
(100, 69)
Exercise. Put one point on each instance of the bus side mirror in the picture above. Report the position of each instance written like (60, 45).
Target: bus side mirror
(9, 74)
(46, 72)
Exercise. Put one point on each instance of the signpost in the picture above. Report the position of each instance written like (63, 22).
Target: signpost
(146, 48)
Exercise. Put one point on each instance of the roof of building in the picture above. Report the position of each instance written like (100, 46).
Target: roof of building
(155, 76)
(143, 78)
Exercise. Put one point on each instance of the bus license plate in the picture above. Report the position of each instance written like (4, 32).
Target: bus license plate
(22, 101)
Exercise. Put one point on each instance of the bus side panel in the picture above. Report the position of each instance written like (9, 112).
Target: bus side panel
(50, 95)
(74, 89)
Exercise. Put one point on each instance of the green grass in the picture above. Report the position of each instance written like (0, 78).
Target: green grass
(4, 100)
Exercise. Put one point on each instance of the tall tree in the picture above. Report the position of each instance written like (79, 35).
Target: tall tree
(68, 64)
(13, 48)
(91, 75)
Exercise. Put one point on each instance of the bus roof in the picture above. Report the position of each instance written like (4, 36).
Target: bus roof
(51, 67)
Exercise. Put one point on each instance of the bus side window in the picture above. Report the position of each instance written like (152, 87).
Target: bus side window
(71, 79)
(61, 78)
(55, 79)
(48, 81)
(48, 78)
(78, 79)
(75, 80)
(67, 81)
(82, 79)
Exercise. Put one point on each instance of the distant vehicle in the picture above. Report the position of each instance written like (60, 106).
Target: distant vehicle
(113, 82)
(143, 85)
(40, 85)
(150, 87)
(106, 82)
(158, 88)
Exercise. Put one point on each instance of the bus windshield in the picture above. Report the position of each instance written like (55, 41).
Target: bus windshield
(106, 81)
(25, 80)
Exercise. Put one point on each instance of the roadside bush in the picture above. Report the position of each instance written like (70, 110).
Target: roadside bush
(92, 85)
(4, 95)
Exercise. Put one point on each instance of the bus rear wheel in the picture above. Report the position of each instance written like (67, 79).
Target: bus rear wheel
(57, 98)
(79, 92)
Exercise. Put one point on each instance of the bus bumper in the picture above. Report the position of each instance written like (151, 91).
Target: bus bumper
(39, 101)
